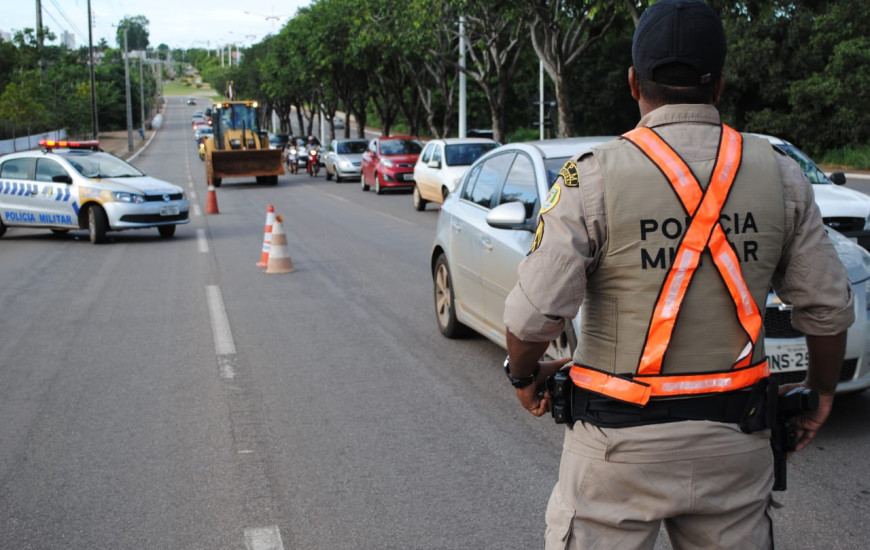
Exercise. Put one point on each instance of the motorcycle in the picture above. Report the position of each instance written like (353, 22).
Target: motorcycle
(292, 160)
(313, 162)
(202, 150)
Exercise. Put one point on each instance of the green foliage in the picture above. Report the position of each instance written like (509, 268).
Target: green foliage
(853, 157)
(137, 33)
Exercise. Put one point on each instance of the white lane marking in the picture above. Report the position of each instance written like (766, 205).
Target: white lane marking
(220, 325)
(193, 195)
(263, 538)
(858, 176)
(336, 197)
(202, 241)
(395, 218)
(197, 211)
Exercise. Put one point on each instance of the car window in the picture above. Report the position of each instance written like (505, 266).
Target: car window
(14, 169)
(470, 180)
(553, 166)
(103, 165)
(352, 147)
(427, 153)
(519, 185)
(46, 169)
(464, 154)
(809, 168)
(492, 173)
(401, 147)
(436, 154)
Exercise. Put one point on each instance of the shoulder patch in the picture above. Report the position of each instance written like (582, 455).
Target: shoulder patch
(552, 198)
(569, 174)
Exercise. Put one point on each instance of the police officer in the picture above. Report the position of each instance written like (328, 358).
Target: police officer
(670, 238)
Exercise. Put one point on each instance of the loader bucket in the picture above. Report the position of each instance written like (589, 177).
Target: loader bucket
(251, 162)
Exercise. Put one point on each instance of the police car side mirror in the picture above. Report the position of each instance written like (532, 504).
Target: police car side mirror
(64, 178)
(510, 215)
(839, 178)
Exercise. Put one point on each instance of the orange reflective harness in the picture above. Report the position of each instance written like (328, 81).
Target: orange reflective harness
(703, 233)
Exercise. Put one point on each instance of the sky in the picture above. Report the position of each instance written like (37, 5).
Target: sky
(176, 23)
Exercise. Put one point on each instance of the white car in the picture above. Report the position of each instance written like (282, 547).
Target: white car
(71, 185)
(486, 227)
(441, 165)
(844, 209)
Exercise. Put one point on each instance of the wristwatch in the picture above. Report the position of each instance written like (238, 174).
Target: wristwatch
(520, 383)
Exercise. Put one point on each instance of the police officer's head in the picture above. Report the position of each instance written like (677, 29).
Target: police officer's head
(677, 54)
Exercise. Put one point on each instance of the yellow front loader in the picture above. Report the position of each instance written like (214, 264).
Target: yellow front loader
(238, 148)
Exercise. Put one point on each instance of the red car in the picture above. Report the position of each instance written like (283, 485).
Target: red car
(389, 163)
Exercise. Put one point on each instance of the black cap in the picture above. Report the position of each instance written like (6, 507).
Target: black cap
(684, 32)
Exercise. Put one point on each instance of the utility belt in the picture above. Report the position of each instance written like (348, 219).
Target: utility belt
(753, 408)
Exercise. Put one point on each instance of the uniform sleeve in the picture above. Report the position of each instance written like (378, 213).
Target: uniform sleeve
(551, 280)
(810, 275)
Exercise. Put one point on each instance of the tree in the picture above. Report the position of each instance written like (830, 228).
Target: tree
(494, 31)
(137, 33)
(562, 32)
(19, 104)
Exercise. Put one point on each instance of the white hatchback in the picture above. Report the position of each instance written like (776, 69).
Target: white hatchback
(441, 165)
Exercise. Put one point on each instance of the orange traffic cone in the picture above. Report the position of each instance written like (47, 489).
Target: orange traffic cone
(267, 236)
(279, 255)
(211, 206)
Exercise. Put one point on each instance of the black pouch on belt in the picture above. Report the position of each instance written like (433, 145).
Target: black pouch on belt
(560, 388)
(760, 411)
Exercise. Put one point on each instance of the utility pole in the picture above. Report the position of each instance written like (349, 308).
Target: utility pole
(40, 35)
(129, 101)
(462, 108)
(141, 98)
(95, 130)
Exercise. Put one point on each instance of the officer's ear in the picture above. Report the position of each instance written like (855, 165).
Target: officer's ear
(633, 83)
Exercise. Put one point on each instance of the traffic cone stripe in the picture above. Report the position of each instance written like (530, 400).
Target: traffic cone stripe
(279, 255)
(267, 237)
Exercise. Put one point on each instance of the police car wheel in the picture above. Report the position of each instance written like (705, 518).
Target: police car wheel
(98, 224)
(445, 310)
(166, 231)
(419, 201)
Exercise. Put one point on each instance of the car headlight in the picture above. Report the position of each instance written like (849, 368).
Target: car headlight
(387, 162)
(134, 198)
(345, 164)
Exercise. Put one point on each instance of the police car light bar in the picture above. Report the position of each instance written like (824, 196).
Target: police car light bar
(52, 144)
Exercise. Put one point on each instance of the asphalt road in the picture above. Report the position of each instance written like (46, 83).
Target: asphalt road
(170, 395)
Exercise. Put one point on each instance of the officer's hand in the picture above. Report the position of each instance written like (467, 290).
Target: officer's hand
(807, 425)
(531, 397)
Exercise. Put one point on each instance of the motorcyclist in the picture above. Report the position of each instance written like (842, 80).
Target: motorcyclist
(313, 148)
(291, 155)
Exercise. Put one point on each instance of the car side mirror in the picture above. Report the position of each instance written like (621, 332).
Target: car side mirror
(434, 164)
(839, 178)
(63, 178)
(510, 215)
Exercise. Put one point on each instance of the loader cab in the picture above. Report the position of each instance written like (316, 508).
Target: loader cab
(236, 125)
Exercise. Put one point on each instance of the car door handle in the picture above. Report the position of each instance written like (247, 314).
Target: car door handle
(456, 226)
(487, 244)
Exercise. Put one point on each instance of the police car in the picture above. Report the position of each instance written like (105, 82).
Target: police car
(73, 185)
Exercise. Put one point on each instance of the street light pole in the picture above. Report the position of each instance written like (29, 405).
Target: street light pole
(141, 98)
(129, 101)
(94, 119)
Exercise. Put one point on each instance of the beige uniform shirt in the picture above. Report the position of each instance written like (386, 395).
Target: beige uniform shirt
(552, 279)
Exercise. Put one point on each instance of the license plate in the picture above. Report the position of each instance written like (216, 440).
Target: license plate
(407, 177)
(788, 357)
(169, 210)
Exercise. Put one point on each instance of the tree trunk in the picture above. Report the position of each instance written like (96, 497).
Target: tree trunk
(566, 115)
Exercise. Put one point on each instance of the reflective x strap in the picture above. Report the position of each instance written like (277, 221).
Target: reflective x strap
(704, 231)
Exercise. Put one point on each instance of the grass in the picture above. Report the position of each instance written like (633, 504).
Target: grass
(185, 87)
(848, 158)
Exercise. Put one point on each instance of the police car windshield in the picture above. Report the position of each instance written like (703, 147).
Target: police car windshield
(103, 165)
